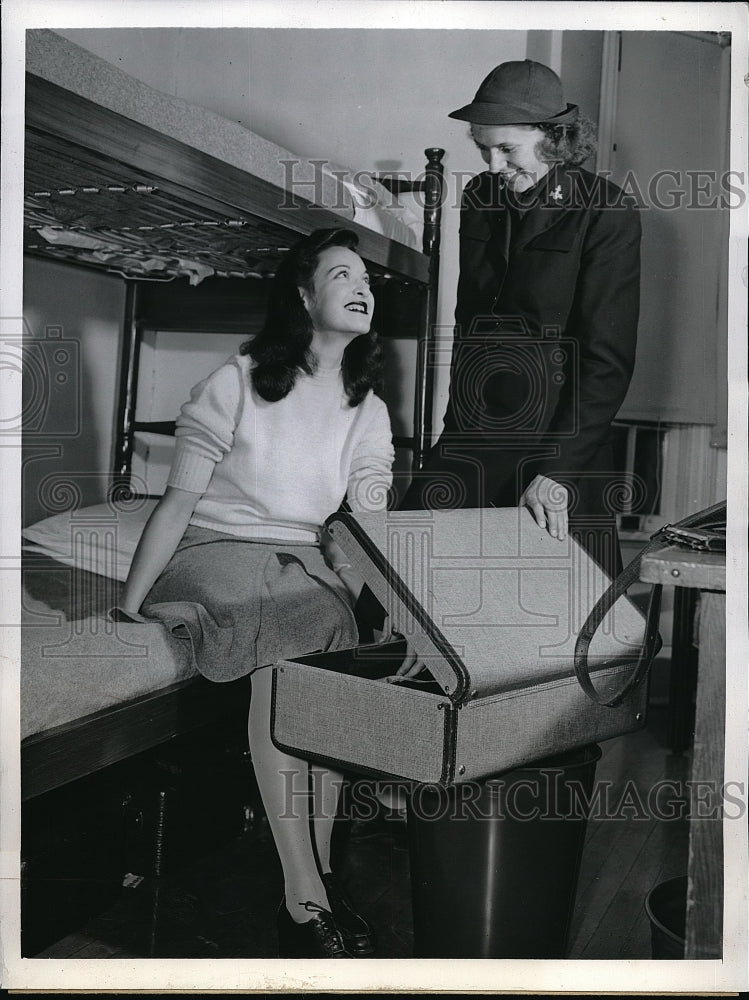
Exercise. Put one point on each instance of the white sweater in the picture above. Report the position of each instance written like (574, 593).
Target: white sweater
(277, 470)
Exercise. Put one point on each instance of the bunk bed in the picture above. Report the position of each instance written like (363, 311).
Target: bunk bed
(193, 213)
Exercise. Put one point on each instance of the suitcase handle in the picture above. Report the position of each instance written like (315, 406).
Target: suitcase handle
(652, 641)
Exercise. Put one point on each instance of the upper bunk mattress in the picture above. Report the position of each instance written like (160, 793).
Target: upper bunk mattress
(351, 196)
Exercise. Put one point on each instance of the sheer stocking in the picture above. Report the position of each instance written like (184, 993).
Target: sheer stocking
(327, 788)
(283, 781)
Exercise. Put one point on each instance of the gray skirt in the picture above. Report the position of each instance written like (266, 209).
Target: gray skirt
(244, 604)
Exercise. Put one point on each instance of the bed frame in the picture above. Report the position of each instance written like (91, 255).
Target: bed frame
(78, 149)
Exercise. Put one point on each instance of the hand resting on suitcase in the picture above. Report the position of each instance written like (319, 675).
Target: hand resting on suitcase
(547, 500)
(410, 666)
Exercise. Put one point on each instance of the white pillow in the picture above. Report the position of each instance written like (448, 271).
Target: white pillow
(100, 539)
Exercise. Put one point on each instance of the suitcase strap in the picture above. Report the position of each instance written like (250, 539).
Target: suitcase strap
(651, 642)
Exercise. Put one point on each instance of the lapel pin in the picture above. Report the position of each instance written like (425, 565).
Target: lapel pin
(556, 194)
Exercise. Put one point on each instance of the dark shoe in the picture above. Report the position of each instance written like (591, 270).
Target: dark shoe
(318, 937)
(358, 936)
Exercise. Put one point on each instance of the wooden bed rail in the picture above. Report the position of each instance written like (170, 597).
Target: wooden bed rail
(77, 749)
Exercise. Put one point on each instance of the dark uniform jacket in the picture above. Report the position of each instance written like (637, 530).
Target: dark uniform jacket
(546, 326)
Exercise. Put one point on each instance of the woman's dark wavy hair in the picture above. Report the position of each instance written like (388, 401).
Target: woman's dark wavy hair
(282, 349)
(570, 144)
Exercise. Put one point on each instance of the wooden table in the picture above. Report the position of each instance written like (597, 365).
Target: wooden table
(706, 572)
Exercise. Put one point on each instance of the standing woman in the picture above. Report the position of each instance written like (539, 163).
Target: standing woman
(545, 322)
(232, 557)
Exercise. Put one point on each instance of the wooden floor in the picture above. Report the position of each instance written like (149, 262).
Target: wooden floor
(222, 903)
(624, 858)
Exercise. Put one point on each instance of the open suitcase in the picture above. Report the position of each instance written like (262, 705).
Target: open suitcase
(493, 605)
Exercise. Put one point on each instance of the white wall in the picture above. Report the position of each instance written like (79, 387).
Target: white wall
(368, 99)
(678, 79)
(71, 453)
(581, 71)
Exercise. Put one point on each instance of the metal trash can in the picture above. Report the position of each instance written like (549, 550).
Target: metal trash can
(666, 907)
(494, 864)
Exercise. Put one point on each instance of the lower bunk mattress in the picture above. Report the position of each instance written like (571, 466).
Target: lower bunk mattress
(76, 662)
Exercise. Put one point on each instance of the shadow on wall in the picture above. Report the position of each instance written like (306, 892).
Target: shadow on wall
(72, 344)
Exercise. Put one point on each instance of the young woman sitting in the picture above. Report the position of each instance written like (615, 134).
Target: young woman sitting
(232, 558)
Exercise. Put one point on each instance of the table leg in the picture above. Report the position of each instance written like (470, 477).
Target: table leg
(683, 678)
(705, 891)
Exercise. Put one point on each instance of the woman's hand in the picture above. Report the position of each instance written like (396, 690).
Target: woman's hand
(548, 501)
(410, 667)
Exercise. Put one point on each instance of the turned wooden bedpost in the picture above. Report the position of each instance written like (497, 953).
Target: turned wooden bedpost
(433, 198)
(433, 189)
(123, 453)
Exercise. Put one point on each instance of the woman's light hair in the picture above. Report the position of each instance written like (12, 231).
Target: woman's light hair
(570, 144)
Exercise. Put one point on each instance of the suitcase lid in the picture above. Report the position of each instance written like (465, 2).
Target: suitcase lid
(486, 598)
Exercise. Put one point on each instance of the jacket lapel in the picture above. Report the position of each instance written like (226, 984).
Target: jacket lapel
(554, 202)
(494, 217)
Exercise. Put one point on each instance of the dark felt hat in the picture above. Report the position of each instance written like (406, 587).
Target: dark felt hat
(519, 93)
